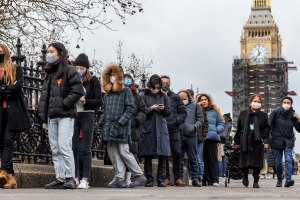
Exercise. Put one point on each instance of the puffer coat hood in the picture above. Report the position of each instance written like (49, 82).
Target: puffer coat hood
(118, 85)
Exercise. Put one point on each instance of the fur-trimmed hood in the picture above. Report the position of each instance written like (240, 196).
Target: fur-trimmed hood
(118, 85)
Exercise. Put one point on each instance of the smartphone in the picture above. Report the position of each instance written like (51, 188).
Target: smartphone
(160, 104)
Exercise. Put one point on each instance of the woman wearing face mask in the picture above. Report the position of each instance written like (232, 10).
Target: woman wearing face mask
(154, 133)
(252, 128)
(283, 121)
(61, 91)
(13, 115)
(210, 151)
(86, 107)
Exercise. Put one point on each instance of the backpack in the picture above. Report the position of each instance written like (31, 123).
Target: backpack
(228, 125)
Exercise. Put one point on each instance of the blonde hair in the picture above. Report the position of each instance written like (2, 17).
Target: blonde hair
(209, 98)
(9, 68)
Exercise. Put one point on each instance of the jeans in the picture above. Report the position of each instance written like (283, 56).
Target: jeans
(7, 139)
(222, 167)
(60, 132)
(85, 123)
(80, 156)
(288, 155)
(175, 148)
(200, 158)
(189, 146)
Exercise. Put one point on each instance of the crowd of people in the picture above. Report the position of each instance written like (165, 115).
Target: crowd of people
(154, 124)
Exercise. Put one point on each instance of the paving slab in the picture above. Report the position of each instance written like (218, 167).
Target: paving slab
(235, 190)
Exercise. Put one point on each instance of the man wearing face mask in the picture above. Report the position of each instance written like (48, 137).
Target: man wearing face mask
(154, 140)
(177, 116)
(86, 107)
(188, 135)
(118, 108)
(283, 121)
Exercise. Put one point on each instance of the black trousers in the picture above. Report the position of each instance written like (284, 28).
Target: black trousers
(161, 168)
(211, 164)
(255, 172)
(175, 145)
(85, 123)
(7, 139)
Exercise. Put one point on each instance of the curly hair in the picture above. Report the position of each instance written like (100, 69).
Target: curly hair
(154, 79)
(209, 98)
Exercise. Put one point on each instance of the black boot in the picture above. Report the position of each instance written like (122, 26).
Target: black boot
(245, 180)
(255, 185)
(289, 183)
(279, 184)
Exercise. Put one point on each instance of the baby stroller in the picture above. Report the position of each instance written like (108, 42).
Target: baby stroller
(232, 164)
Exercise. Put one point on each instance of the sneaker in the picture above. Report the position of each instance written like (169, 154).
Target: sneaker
(196, 183)
(77, 182)
(216, 184)
(128, 182)
(138, 180)
(119, 183)
(83, 184)
(114, 179)
(268, 176)
(263, 176)
(279, 184)
(70, 183)
(55, 185)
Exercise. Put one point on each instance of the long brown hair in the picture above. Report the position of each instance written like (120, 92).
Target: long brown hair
(209, 98)
(87, 77)
(252, 97)
(9, 68)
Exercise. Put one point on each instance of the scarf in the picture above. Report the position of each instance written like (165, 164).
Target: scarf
(247, 137)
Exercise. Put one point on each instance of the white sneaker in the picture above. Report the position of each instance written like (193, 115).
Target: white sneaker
(112, 181)
(83, 185)
(77, 182)
(127, 178)
(216, 184)
(263, 176)
(128, 181)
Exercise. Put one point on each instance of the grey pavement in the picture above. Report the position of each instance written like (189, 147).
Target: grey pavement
(235, 190)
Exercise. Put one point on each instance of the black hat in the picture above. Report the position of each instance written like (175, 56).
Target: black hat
(58, 46)
(82, 60)
(289, 98)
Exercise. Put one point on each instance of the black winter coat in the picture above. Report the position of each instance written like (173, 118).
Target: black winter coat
(16, 109)
(93, 97)
(202, 132)
(254, 157)
(60, 95)
(177, 112)
(137, 120)
(154, 132)
(283, 124)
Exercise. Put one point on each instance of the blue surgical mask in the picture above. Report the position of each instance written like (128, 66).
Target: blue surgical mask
(185, 102)
(82, 72)
(127, 82)
(51, 58)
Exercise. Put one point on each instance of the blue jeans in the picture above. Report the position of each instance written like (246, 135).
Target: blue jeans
(189, 146)
(288, 162)
(222, 167)
(200, 158)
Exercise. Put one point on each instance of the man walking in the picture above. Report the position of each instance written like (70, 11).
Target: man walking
(176, 118)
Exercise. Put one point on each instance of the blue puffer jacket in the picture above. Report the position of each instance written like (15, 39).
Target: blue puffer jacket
(283, 123)
(215, 124)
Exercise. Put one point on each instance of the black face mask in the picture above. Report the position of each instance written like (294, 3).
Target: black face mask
(1, 58)
(165, 87)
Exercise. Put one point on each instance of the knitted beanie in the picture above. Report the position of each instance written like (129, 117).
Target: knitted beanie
(82, 60)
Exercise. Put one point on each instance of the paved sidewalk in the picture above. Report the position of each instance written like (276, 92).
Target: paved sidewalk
(235, 190)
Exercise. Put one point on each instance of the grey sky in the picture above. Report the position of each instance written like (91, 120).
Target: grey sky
(193, 41)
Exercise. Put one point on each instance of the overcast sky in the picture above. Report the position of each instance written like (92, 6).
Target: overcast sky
(194, 41)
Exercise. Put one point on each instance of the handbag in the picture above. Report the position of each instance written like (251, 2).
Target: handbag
(228, 125)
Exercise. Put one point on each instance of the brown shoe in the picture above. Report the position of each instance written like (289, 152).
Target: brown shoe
(3, 178)
(179, 183)
(11, 182)
(167, 182)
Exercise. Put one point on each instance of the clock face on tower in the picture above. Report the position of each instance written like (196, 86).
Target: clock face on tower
(259, 53)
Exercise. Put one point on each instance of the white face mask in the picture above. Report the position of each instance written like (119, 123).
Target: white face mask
(155, 91)
(256, 105)
(112, 79)
(286, 106)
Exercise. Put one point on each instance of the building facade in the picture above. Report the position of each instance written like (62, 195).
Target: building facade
(261, 67)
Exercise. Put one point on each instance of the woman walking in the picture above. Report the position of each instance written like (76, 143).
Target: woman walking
(283, 122)
(12, 105)
(252, 129)
(86, 107)
(210, 150)
(61, 91)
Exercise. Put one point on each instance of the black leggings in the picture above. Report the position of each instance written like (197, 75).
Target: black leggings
(85, 123)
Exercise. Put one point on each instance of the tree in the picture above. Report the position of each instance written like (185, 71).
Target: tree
(134, 64)
(44, 21)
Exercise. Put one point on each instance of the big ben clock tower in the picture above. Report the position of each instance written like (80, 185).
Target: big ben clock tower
(261, 67)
